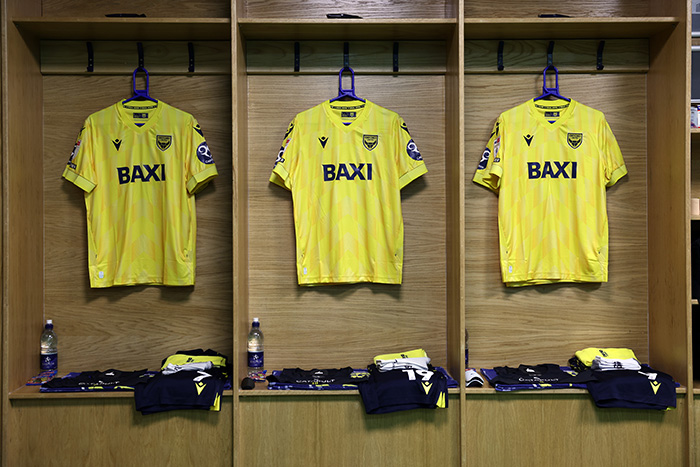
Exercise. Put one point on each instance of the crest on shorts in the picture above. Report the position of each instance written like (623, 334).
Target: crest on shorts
(370, 141)
(163, 141)
(574, 139)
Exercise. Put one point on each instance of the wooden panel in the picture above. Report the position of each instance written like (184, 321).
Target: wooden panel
(622, 55)
(308, 431)
(455, 226)
(669, 205)
(548, 323)
(111, 432)
(127, 29)
(454, 198)
(584, 8)
(356, 30)
(695, 442)
(153, 8)
(348, 324)
(134, 327)
(565, 28)
(670, 321)
(367, 9)
(240, 211)
(240, 219)
(364, 56)
(71, 57)
(511, 429)
(22, 207)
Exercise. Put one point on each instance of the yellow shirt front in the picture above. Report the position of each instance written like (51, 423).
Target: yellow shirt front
(550, 163)
(345, 163)
(140, 164)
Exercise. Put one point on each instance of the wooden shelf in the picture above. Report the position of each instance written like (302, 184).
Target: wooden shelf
(567, 28)
(32, 392)
(354, 29)
(126, 28)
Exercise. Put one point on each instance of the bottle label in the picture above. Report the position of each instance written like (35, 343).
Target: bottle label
(256, 359)
(49, 361)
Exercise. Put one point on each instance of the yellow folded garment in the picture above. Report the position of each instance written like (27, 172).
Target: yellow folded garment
(182, 359)
(587, 355)
(409, 354)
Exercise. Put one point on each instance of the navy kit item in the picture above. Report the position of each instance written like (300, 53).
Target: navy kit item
(643, 389)
(396, 390)
(109, 380)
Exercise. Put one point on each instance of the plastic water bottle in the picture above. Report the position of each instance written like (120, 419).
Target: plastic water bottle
(49, 348)
(256, 351)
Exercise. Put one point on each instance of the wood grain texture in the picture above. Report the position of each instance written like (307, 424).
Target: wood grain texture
(125, 29)
(346, 30)
(239, 137)
(584, 9)
(695, 442)
(508, 27)
(600, 437)
(579, 56)
(315, 431)
(670, 320)
(669, 196)
(306, 9)
(110, 432)
(455, 220)
(347, 324)
(153, 8)
(454, 199)
(111, 57)
(22, 205)
(695, 167)
(414, 57)
(21, 309)
(534, 324)
(134, 327)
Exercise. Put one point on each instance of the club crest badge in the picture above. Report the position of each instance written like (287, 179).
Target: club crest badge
(370, 141)
(163, 141)
(574, 139)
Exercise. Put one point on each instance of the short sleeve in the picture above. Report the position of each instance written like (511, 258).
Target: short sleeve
(281, 172)
(410, 162)
(201, 168)
(80, 169)
(490, 169)
(615, 167)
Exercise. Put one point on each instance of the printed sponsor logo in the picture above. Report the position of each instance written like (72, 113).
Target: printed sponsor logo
(362, 171)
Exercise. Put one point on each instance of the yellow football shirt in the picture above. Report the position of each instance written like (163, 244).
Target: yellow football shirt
(345, 163)
(140, 164)
(550, 163)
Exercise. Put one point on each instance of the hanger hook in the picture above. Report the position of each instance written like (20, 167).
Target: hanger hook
(352, 79)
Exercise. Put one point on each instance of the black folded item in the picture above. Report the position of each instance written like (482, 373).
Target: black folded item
(397, 390)
(110, 380)
(315, 376)
(633, 389)
(547, 373)
(193, 389)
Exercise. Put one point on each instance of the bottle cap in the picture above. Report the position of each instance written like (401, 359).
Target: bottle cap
(49, 321)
